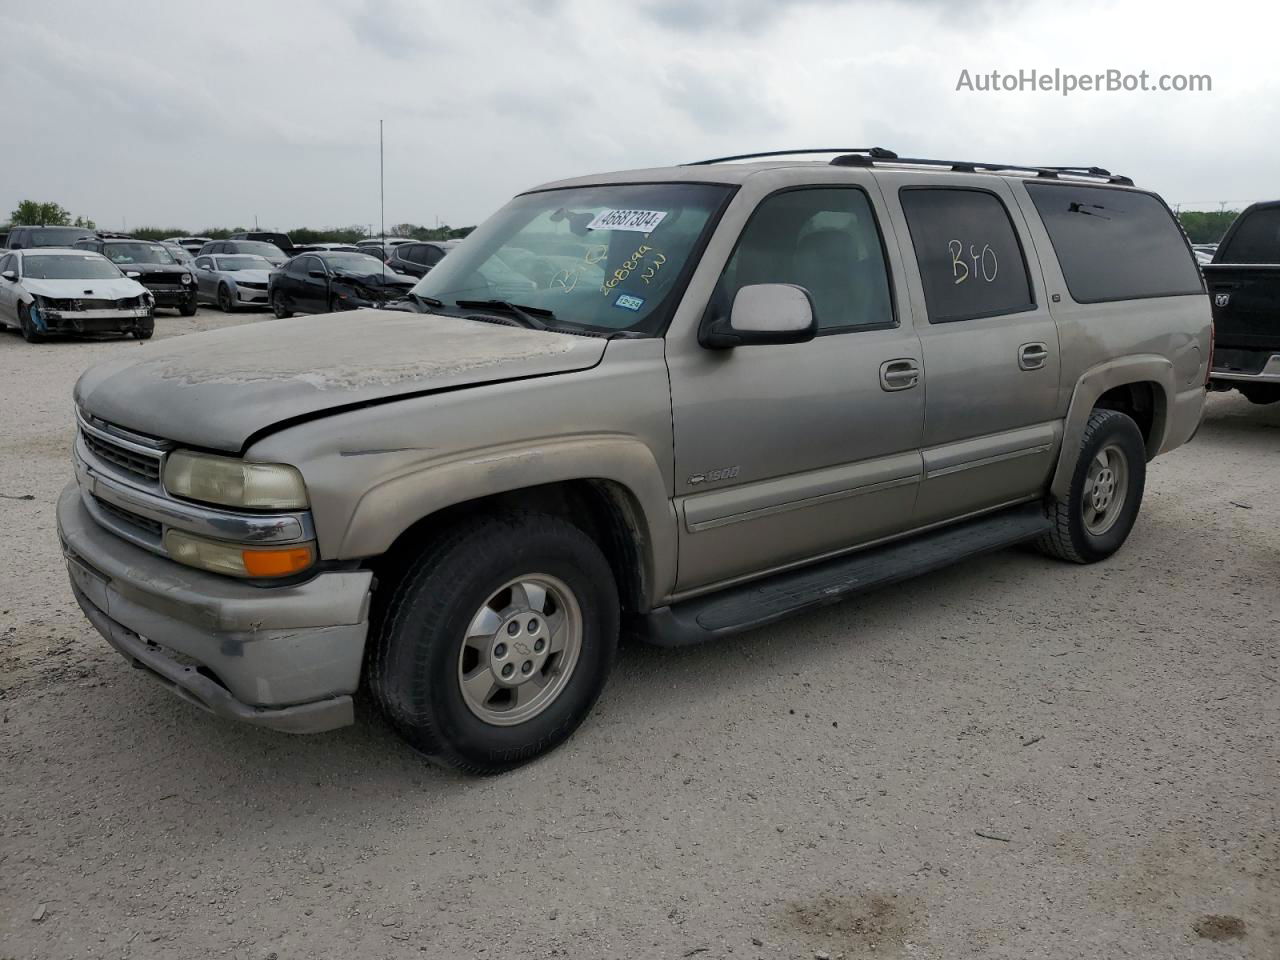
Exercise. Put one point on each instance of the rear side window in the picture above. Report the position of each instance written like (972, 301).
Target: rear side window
(970, 258)
(1115, 244)
(1256, 238)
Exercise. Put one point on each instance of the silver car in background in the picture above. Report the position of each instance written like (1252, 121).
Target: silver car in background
(232, 280)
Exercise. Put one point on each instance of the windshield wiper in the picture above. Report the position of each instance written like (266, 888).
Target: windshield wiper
(527, 315)
(421, 302)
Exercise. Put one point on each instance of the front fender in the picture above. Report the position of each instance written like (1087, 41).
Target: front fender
(1093, 383)
(388, 508)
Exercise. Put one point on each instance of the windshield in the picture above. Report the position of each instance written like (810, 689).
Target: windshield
(353, 263)
(605, 258)
(232, 264)
(90, 266)
(137, 253)
(262, 249)
(57, 236)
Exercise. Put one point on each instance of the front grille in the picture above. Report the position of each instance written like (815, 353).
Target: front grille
(251, 286)
(139, 465)
(126, 516)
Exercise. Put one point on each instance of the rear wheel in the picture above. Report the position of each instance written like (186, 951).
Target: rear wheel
(225, 303)
(279, 306)
(1106, 491)
(496, 642)
(30, 332)
(1260, 392)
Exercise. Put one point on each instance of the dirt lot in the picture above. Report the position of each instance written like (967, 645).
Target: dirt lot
(1015, 758)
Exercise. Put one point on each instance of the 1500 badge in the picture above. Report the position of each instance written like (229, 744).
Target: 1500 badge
(726, 473)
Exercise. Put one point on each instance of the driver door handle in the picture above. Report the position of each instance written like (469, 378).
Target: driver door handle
(1032, 356)
(899, 374)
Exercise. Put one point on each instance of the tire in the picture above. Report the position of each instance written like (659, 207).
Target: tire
(145, 329)
(278, 306)
(1260, 392)
(457, 590)
(225, 303)
(188, 307)
(1112, 470)
(28, 328)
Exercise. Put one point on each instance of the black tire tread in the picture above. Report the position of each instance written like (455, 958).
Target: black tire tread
(1057, 541)
(456, 549)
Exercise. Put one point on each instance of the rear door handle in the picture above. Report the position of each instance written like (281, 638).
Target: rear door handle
(899, 375)
(1032, 356)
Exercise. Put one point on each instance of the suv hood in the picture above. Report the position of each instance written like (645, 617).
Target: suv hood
(218, 389)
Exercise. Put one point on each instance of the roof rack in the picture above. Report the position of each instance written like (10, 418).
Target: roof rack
(879, 153)
(867, 157)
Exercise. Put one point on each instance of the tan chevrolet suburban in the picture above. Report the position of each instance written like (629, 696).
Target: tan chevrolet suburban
(684, 402)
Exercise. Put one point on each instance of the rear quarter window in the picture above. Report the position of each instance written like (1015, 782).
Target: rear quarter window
(1115, 244)
(971, 261)
(1255, 238)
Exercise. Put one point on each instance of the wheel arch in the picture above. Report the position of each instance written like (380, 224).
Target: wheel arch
(609, 487)
(1141, 387)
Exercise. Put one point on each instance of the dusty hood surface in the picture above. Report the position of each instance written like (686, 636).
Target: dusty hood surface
(217, 389)
(113, 289)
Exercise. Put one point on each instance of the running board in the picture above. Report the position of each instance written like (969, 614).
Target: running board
(763, 601)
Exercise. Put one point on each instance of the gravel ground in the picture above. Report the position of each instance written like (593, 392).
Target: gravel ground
(1013, 758)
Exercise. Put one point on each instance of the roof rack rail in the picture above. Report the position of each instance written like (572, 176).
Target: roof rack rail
(878, 153)
(974, 166)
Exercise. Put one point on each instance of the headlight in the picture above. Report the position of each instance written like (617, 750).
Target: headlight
(186, 278)
(234, 483)
(236, 560)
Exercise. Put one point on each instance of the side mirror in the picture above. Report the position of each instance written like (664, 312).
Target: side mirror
(10, 275)
(764, 313)
(317, 274)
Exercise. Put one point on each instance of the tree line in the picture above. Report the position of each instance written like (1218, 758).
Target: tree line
(45, 214)
(1202, 226)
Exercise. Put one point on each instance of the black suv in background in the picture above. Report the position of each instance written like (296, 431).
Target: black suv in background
(23, 238)
(416, 259)
(153, 266)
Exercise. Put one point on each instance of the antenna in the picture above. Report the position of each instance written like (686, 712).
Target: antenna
(382, 201)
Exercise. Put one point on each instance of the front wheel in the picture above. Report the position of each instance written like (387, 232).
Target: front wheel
(1106, 490)
(188, 307)
(496, 642)
(30, 332)
(279, 307)
(225, 303)
(144, 329)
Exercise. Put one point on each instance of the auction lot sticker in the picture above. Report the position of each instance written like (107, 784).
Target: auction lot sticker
(641, 221)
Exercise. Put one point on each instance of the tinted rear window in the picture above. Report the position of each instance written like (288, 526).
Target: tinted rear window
(1256, 239)
(971, 263)
(1115, 244)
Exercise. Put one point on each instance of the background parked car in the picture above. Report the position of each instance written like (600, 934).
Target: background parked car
(192, 244)
(21, 238)
(233, 280)
(257, 248)
(151, 264)
(4, 239)
(416, 259)
(328, 282)
(381, 248)
(281, 240)
(57, 290)
(326, 248)
(180, 253)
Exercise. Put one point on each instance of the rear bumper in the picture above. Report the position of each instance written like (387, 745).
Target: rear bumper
(285, 657)
(1268, 373)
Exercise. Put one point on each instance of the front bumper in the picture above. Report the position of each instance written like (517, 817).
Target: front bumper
(173, 296)
(249, 295)
(283, 657)
(90, 321)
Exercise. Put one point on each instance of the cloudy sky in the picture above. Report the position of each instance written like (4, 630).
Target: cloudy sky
(214, 112)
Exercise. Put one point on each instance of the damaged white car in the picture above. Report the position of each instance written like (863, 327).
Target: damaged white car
(50, 291)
